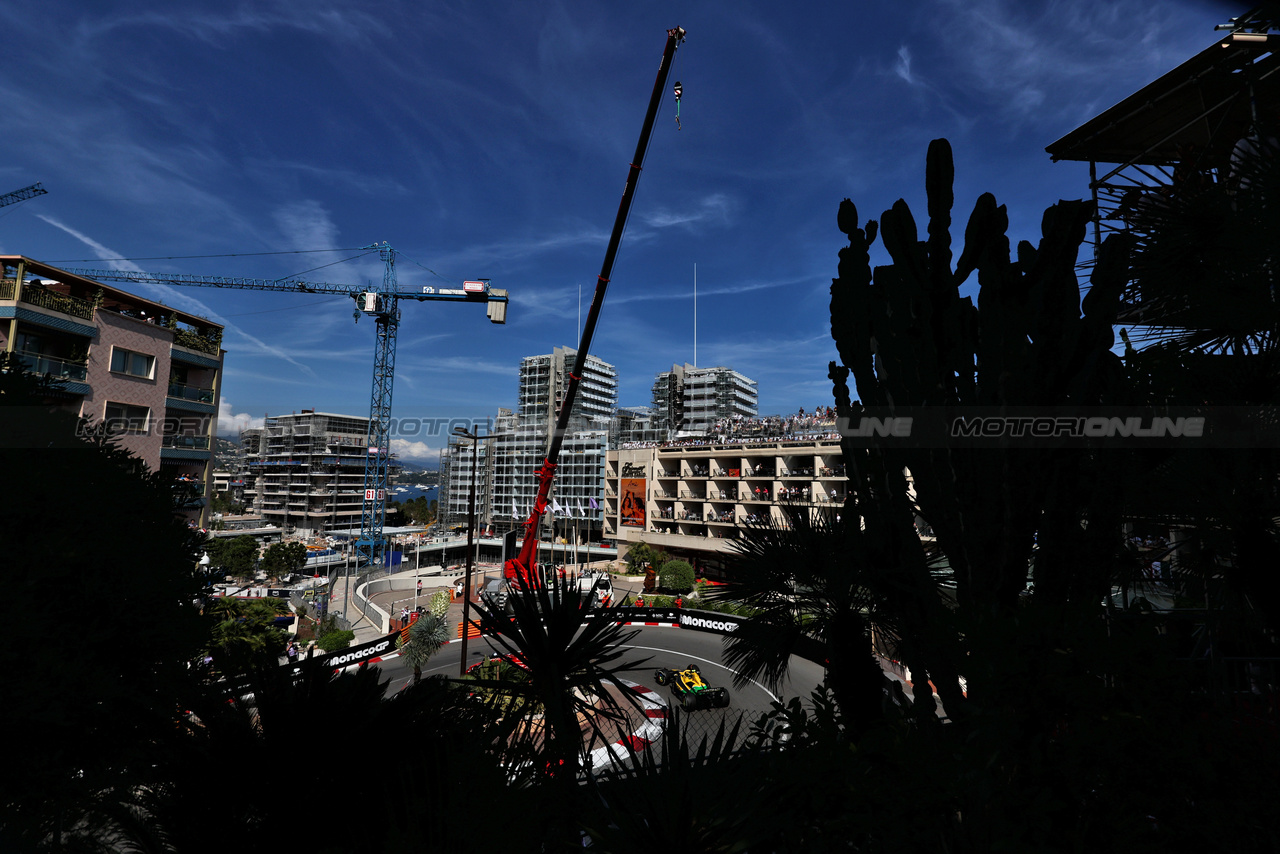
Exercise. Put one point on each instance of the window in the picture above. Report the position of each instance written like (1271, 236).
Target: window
(125, 418)
(128, 362)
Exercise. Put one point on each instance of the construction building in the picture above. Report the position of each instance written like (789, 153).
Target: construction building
(305, 471)
(454, 497)
(150, 373)
(506, 481)
(689, 400)
(544, 380)
(636, 424)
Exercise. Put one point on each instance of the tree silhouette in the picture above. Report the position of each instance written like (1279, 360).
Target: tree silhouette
(99, 607)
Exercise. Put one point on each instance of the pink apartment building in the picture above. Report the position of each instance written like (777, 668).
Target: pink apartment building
(149, 371)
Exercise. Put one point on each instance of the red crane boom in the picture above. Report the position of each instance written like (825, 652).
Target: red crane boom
(518, 570)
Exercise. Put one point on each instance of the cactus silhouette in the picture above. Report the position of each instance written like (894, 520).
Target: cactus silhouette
(912, 343)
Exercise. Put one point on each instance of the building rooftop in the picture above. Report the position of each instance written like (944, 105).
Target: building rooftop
(113, 299)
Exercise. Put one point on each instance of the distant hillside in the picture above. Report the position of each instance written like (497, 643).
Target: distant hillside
(410, 466)
(227, 453)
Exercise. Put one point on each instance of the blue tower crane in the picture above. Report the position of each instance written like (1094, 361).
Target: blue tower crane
(383, 305)
(22, 195)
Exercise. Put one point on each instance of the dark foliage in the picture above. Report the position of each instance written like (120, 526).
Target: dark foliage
(98, 606)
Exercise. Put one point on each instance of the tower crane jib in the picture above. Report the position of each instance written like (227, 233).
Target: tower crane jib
(383, 305)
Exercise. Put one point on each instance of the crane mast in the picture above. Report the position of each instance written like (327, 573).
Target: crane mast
(519, 569)
(373, 512)
(384, 306)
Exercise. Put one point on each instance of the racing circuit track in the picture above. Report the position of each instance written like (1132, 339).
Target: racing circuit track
(651, 647)
(657, 647)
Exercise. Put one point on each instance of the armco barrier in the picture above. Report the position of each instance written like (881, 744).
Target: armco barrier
(806, 647)
(342, 658)
(376, 615)
(380, 583)
(357, 654)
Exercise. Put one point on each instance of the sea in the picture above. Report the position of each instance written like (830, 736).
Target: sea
(411, 492)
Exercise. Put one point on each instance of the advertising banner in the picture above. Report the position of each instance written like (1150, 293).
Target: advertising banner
(628, 614)
(632, 492)
(710, 621)
(356, 654)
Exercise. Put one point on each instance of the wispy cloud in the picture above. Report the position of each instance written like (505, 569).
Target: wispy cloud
(526, 247)
(174, 297)
(216, 28)
(306, 224)
(705, 291)
(903, 66)
(715, 208)
(459, 364)
(1015, 55)
(112, 259)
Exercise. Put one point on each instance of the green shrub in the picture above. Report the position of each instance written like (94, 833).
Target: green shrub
(677, 576)
(335, 640)
(642, 555)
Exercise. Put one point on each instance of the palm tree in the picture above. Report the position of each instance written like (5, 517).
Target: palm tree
(571, 654)
(226, 608)
(806, 583)
(1206, 306)
(427, 635)
(215, 783)
(685, 795)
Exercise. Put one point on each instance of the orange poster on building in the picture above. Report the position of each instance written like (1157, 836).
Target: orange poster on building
(632, 489)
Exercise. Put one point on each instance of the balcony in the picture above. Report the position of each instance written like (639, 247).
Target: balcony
(52, 300)
(191, 398)
(183, 442)
(57, 368)
(193, 341)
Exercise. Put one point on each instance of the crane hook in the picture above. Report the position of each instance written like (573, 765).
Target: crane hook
(679, 90)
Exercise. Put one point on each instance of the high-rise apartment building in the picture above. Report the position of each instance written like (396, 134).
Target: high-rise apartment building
(545, 379)
(507, 478)
(151, 373)
(305, 471)
(690, 400)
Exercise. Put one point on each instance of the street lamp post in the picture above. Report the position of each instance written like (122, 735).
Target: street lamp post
(346, 574)
(471, 529)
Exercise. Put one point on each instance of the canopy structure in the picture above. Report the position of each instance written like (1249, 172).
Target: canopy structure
(1182, 127)
(1203, 107)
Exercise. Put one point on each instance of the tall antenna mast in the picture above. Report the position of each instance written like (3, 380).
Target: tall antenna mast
(695, 314)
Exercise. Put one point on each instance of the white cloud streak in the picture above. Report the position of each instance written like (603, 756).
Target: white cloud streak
(174, 297)
(903, 66)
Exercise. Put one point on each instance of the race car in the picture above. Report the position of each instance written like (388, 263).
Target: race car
(690, 690)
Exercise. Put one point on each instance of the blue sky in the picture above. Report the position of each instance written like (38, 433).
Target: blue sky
(492, 140)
